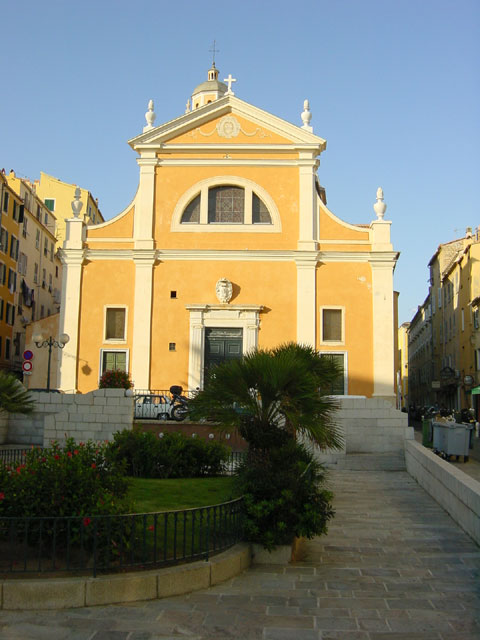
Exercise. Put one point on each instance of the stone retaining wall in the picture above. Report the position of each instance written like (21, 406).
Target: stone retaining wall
(64, 593)
(456, 492)
(95, 415)
(369, 426)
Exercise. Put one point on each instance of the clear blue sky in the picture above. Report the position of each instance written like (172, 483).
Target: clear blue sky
(393, 87)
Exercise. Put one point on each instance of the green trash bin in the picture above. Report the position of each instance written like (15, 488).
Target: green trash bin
(427, 432)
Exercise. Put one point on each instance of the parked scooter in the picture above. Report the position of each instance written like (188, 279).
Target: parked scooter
(179, 408)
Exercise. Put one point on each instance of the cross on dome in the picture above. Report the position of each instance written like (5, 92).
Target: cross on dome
(229, 81)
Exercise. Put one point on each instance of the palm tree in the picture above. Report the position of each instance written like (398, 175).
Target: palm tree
(14, 398)
(273, 395)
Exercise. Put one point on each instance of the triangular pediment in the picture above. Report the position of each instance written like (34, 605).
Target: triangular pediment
(227, 121)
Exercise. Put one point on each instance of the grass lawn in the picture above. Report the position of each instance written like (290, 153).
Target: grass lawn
(179, 493)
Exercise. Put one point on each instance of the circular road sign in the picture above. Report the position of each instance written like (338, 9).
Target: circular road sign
(27, 366)
(28, 355)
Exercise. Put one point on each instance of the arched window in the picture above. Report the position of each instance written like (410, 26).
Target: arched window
(227, 204)
(192, 211)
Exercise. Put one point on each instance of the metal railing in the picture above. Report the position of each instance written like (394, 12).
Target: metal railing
(156, 404)
(97, 544)
(12, 456)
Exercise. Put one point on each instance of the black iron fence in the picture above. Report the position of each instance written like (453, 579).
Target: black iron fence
(96, 544)
(14, 456)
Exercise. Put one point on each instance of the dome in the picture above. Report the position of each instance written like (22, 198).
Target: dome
(211, 85)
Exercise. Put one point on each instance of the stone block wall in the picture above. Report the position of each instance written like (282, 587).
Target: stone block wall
(456, 492)
(90, 416)
(369, 426)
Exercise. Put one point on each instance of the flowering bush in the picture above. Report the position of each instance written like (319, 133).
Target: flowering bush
(77, 480)
(115, 379)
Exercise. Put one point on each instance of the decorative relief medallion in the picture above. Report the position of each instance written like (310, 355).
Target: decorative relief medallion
(224, 290)
(228, 127)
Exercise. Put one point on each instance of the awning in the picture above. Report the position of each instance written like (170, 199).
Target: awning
(476, 391)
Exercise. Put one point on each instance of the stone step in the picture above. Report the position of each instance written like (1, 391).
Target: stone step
(367, 462)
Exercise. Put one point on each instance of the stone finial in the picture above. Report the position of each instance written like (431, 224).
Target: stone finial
(380, 207)
(306, 116)
(229, 81)
(150, 116)
(77, 204)
(187, 106)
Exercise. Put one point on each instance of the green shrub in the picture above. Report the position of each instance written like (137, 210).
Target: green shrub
(115, 379)
(173, 456)
(283, 495)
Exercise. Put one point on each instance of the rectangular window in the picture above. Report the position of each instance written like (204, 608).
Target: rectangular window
(13, 248)
(332, 330)
(12, 281)
(39, 213)
(35, 273)
(3, 273)
(42, 311)
(2, 306)
(51, 252)
(45, 219)
(10, 314)
(339, 386)
(5, 202)
(463, 320)
(3, 240)
(45, 247)
(7, 348)
(50, 204)
(111, 360)
(115, 323)
(25, 226)
(37, 240)
(15, 210)
(22, 264)
(475, 319)
(44, 278)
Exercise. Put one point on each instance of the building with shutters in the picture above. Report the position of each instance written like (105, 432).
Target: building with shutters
(228, 245)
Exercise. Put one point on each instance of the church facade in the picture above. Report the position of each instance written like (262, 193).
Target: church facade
(227, 246)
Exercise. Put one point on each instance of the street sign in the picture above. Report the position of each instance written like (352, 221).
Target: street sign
(27, 366)
(28, 355)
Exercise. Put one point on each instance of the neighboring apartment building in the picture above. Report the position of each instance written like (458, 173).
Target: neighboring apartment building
(228, 245)
(11, 212)
(58, 195)
(420, 392)
(402, 367)
(454, 297)
(39, 271)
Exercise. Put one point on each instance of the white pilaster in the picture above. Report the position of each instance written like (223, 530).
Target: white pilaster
(306, 298)
(144, 207)
(383, 326)
(142, 318)
(307, 232)
(72, 256)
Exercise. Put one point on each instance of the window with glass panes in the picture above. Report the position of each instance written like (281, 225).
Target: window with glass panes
(112, 360)
(115, 324)
(337, 387)
(226, 204)
(332, 325)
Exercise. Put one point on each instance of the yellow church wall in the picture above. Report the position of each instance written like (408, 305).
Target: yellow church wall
(271, 285)
(105, 283)
(280, 182)
(348, 285)
(331, 229)
(119, 227)
(207, 133)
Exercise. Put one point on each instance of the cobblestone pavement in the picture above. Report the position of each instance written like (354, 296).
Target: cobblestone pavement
(393, 566)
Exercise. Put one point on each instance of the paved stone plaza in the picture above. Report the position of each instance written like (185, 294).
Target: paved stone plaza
(393, 566)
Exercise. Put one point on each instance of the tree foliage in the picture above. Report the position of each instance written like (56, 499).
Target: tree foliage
(14, 398)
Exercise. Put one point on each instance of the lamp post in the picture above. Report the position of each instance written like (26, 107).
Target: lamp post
(50, 342)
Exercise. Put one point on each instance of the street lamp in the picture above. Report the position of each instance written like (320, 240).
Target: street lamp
(49, 342)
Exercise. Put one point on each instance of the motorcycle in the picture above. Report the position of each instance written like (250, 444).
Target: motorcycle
(179, 408)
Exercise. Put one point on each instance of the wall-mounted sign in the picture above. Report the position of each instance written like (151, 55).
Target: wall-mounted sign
(468, 380)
